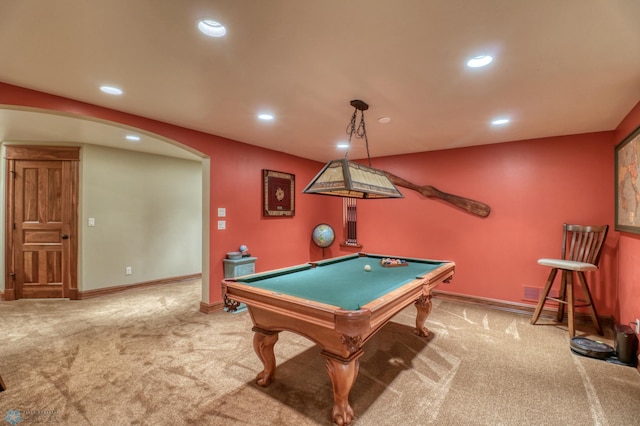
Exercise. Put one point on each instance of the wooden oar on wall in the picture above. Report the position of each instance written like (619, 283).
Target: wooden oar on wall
(474, 207)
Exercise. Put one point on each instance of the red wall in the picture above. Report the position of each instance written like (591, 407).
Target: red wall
(236, 184)
(628, 306)
(236, 177)
(532, 186)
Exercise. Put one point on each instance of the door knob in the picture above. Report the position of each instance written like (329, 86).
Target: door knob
(64, 236)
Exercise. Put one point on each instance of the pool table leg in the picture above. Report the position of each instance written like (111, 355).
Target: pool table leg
(343, 374)
(423, 305)
(263, 342)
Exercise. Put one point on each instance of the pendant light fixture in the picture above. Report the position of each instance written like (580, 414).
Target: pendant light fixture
(344, 178)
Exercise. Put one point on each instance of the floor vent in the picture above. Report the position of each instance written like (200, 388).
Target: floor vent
(533, 293)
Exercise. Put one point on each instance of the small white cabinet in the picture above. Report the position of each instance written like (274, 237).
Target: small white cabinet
(237, 268)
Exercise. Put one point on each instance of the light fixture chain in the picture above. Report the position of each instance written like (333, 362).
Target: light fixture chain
(360, 132)
(351, 129)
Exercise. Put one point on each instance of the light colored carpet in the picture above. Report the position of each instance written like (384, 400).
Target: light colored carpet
(148, 357)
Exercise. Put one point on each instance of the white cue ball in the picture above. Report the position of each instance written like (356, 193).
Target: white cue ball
(367, 268)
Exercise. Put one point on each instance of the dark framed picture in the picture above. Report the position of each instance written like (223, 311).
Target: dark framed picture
(628, 183)
(279, 190)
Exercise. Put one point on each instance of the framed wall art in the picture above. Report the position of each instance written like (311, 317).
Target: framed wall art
(627, 191)
(279, 193)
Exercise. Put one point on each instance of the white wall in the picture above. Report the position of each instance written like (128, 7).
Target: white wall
(3, 209)
(148, 215)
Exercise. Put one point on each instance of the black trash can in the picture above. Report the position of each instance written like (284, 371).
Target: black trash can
(626, 344)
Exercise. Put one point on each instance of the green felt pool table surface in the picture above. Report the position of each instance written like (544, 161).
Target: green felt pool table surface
(342, 281)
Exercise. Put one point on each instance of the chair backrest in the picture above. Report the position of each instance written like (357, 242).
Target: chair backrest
(583, 243)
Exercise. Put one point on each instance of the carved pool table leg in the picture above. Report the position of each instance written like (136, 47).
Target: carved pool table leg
(423, 305)
(263, 342)
(343, 375)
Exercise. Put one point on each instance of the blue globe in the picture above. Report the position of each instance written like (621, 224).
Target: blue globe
(323, 235)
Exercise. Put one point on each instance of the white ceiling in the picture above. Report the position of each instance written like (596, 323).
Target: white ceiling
(561, 67)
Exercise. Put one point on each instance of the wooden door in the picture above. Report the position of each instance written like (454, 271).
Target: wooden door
(41, 222)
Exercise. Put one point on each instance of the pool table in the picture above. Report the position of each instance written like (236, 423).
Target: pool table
(336, 303)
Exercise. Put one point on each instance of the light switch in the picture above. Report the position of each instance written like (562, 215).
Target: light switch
(222, 224)
(92, 221)
(222, 212)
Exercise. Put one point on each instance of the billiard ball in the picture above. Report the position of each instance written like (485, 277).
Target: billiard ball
(367, 268)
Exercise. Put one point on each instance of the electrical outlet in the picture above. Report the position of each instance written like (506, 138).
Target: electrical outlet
(128, 270)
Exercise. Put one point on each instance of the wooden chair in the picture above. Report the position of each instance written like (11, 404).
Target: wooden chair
(581, 248)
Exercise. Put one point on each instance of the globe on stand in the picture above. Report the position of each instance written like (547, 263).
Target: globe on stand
(323, 236)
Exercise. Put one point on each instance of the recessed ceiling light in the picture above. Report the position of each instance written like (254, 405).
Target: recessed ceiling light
(479, 61)
(211, 28)
(342, 145)
(111, 90)
(133, 138)
(499, 121)
(265, 117)
(384, 120)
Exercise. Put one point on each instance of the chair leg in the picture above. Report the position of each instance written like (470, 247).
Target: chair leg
(592, 307)
(570, 306)
(562, 295)
(2, 386)
(543, 296)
